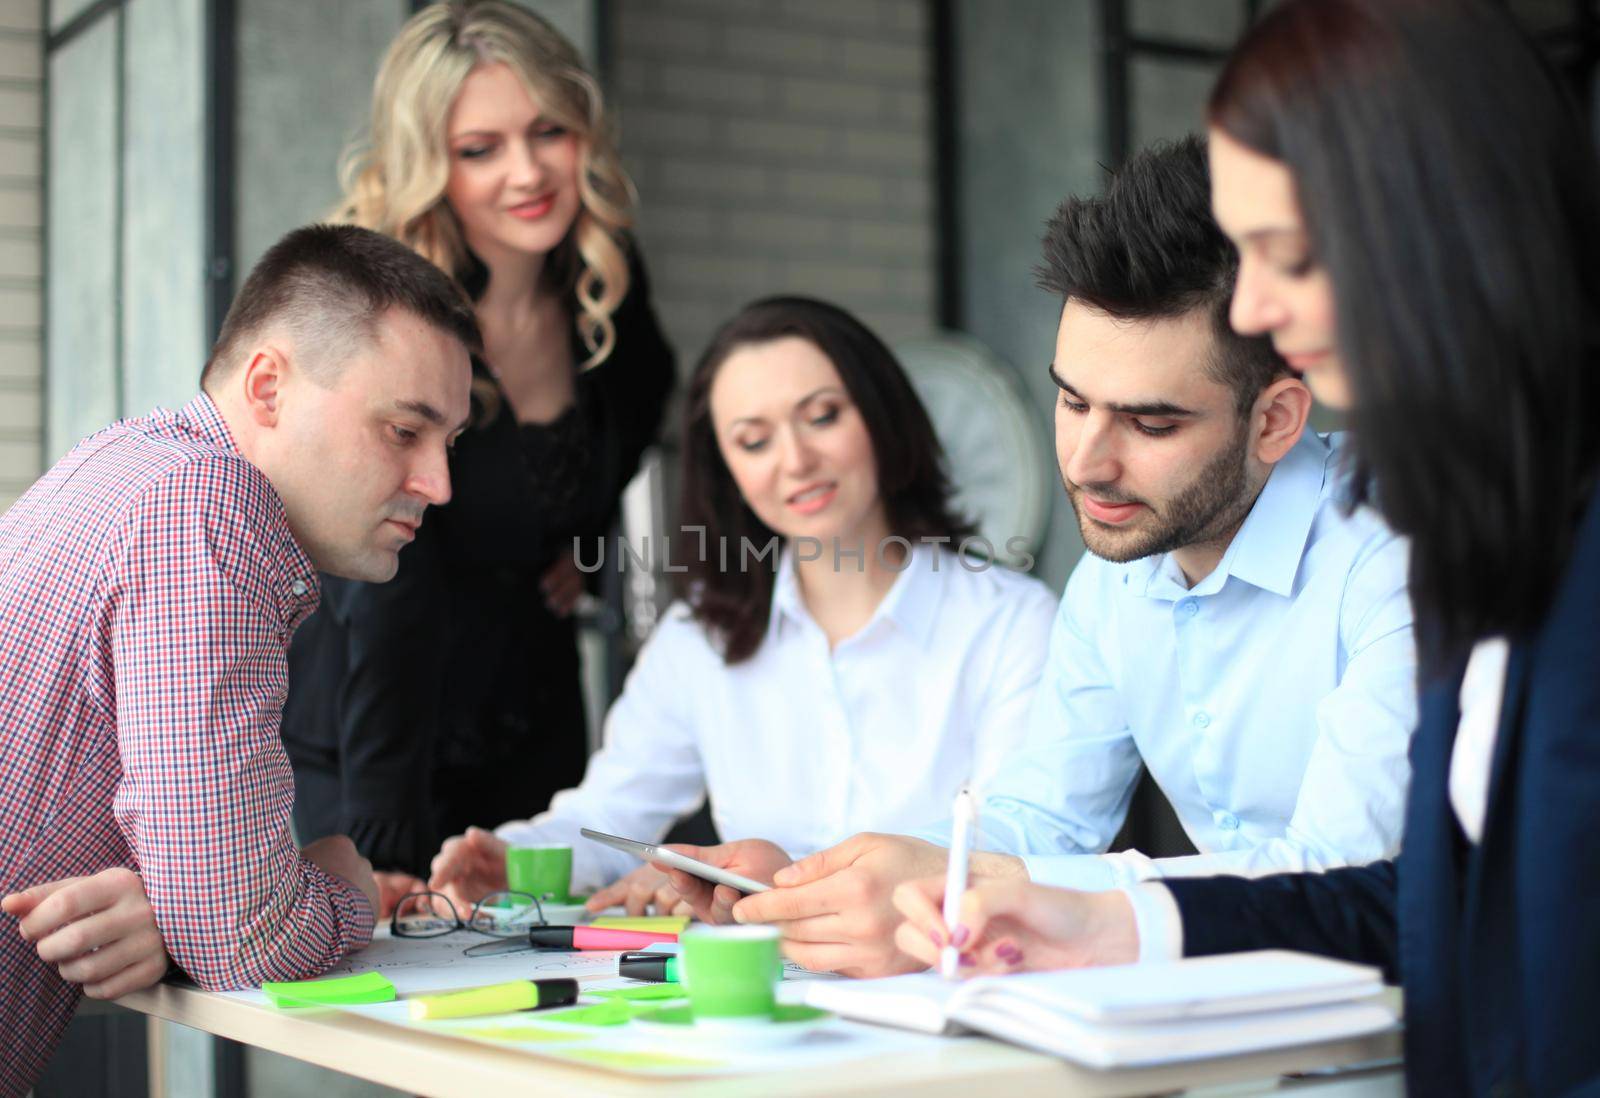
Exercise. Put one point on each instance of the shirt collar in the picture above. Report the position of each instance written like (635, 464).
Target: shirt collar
(204, 418)
(301, 587)
(912, 602)
(1266, 551)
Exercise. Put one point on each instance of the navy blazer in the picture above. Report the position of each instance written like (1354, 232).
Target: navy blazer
(1497, 946)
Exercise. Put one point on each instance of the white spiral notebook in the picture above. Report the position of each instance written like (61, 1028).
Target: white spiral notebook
(1134, 1015)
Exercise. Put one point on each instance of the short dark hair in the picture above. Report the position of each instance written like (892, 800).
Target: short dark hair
(328, 285)
(1149, 249)
(734, 605)
(1449, 189)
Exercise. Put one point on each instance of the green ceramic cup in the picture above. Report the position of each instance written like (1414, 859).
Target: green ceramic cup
(542, 871)
(731, 972)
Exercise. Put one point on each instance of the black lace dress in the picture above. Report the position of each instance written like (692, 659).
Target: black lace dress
(451, 696)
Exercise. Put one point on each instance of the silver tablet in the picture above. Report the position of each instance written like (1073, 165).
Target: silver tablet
(650, 852)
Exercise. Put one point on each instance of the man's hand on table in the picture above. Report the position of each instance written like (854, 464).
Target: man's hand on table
(392, 888)
(98, 931)
(645, 891)
(469, 867)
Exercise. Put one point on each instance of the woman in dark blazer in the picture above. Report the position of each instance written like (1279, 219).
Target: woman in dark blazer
(452, 693)
(1417, 208)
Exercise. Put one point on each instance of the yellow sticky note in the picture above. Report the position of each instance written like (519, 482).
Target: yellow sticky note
(630, 1060)
(660, 924)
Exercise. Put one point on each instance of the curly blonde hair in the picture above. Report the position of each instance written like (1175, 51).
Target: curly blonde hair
(394, 177)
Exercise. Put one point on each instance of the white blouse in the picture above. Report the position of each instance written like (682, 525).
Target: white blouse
(805, 746)
(1483, 688)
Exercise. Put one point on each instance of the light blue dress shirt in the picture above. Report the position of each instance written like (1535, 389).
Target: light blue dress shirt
(1273, 701)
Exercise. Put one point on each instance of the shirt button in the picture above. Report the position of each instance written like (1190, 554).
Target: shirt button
(1227, 821)
(299, 587)
(1202, 719)
(1189, 607)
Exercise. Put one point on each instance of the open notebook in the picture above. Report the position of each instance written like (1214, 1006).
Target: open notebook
(1133, 1015)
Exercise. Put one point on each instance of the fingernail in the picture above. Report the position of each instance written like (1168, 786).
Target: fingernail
(959, 936)
(1008, 953)
(738, 916)
(783, 875)
(938, 939)
(967, 961)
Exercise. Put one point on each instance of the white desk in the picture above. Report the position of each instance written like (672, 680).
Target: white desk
(442, 1067)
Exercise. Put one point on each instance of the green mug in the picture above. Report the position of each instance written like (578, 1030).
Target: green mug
(542, 871)
(731, 972)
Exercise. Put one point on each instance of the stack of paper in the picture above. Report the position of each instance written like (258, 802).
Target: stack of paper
(1134, 1015)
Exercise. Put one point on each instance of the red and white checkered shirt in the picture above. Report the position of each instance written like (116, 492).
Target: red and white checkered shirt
(149, 586)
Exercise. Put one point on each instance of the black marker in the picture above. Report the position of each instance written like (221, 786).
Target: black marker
(661, 968)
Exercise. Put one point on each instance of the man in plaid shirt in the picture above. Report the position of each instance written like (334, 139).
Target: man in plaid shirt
(149, 585)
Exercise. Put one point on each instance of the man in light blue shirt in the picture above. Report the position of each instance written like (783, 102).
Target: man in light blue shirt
(1272, 700)
(1233, 628)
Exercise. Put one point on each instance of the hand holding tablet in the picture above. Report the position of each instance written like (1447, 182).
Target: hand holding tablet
(651, 852)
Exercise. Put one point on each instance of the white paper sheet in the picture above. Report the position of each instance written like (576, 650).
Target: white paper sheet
(417, 965)
(426, 965)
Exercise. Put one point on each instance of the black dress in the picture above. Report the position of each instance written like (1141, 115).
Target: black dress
(450, 695)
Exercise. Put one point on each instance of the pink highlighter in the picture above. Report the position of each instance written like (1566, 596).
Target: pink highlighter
(593, 937)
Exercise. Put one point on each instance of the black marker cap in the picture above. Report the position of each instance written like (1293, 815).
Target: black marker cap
(561, 991)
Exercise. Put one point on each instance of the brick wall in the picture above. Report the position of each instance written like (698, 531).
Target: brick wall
(779, 146)
(21, 310)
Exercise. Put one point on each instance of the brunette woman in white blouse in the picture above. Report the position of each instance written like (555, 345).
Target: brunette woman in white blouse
(849, 680)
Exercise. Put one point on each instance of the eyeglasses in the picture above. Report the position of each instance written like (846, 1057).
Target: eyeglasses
(499, 915)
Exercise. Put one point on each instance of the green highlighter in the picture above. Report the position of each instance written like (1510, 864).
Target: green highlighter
(656, 967)
(368, 987)
(496, 999)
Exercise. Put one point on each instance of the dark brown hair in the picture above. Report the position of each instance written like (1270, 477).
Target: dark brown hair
(1149, 248)
(1451, 193)
(734, 604)
(328, 285)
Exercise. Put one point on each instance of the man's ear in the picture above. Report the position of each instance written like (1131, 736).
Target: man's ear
(1279, 418)
(261, 384)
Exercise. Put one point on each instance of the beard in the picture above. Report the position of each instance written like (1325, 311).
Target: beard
(1209, 507)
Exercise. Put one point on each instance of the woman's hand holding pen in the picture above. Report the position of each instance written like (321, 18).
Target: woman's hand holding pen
(1013, 925)
(469, 867)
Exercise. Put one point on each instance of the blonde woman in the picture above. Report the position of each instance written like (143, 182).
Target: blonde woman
(451, 694)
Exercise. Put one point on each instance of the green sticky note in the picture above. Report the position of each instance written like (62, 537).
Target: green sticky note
(369, 987)
(642, 993)
(612, 1012)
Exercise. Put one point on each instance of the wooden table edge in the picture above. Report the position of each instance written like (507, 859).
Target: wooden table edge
(446, 1067)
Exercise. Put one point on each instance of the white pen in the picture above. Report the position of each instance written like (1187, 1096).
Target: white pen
(955, 877)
